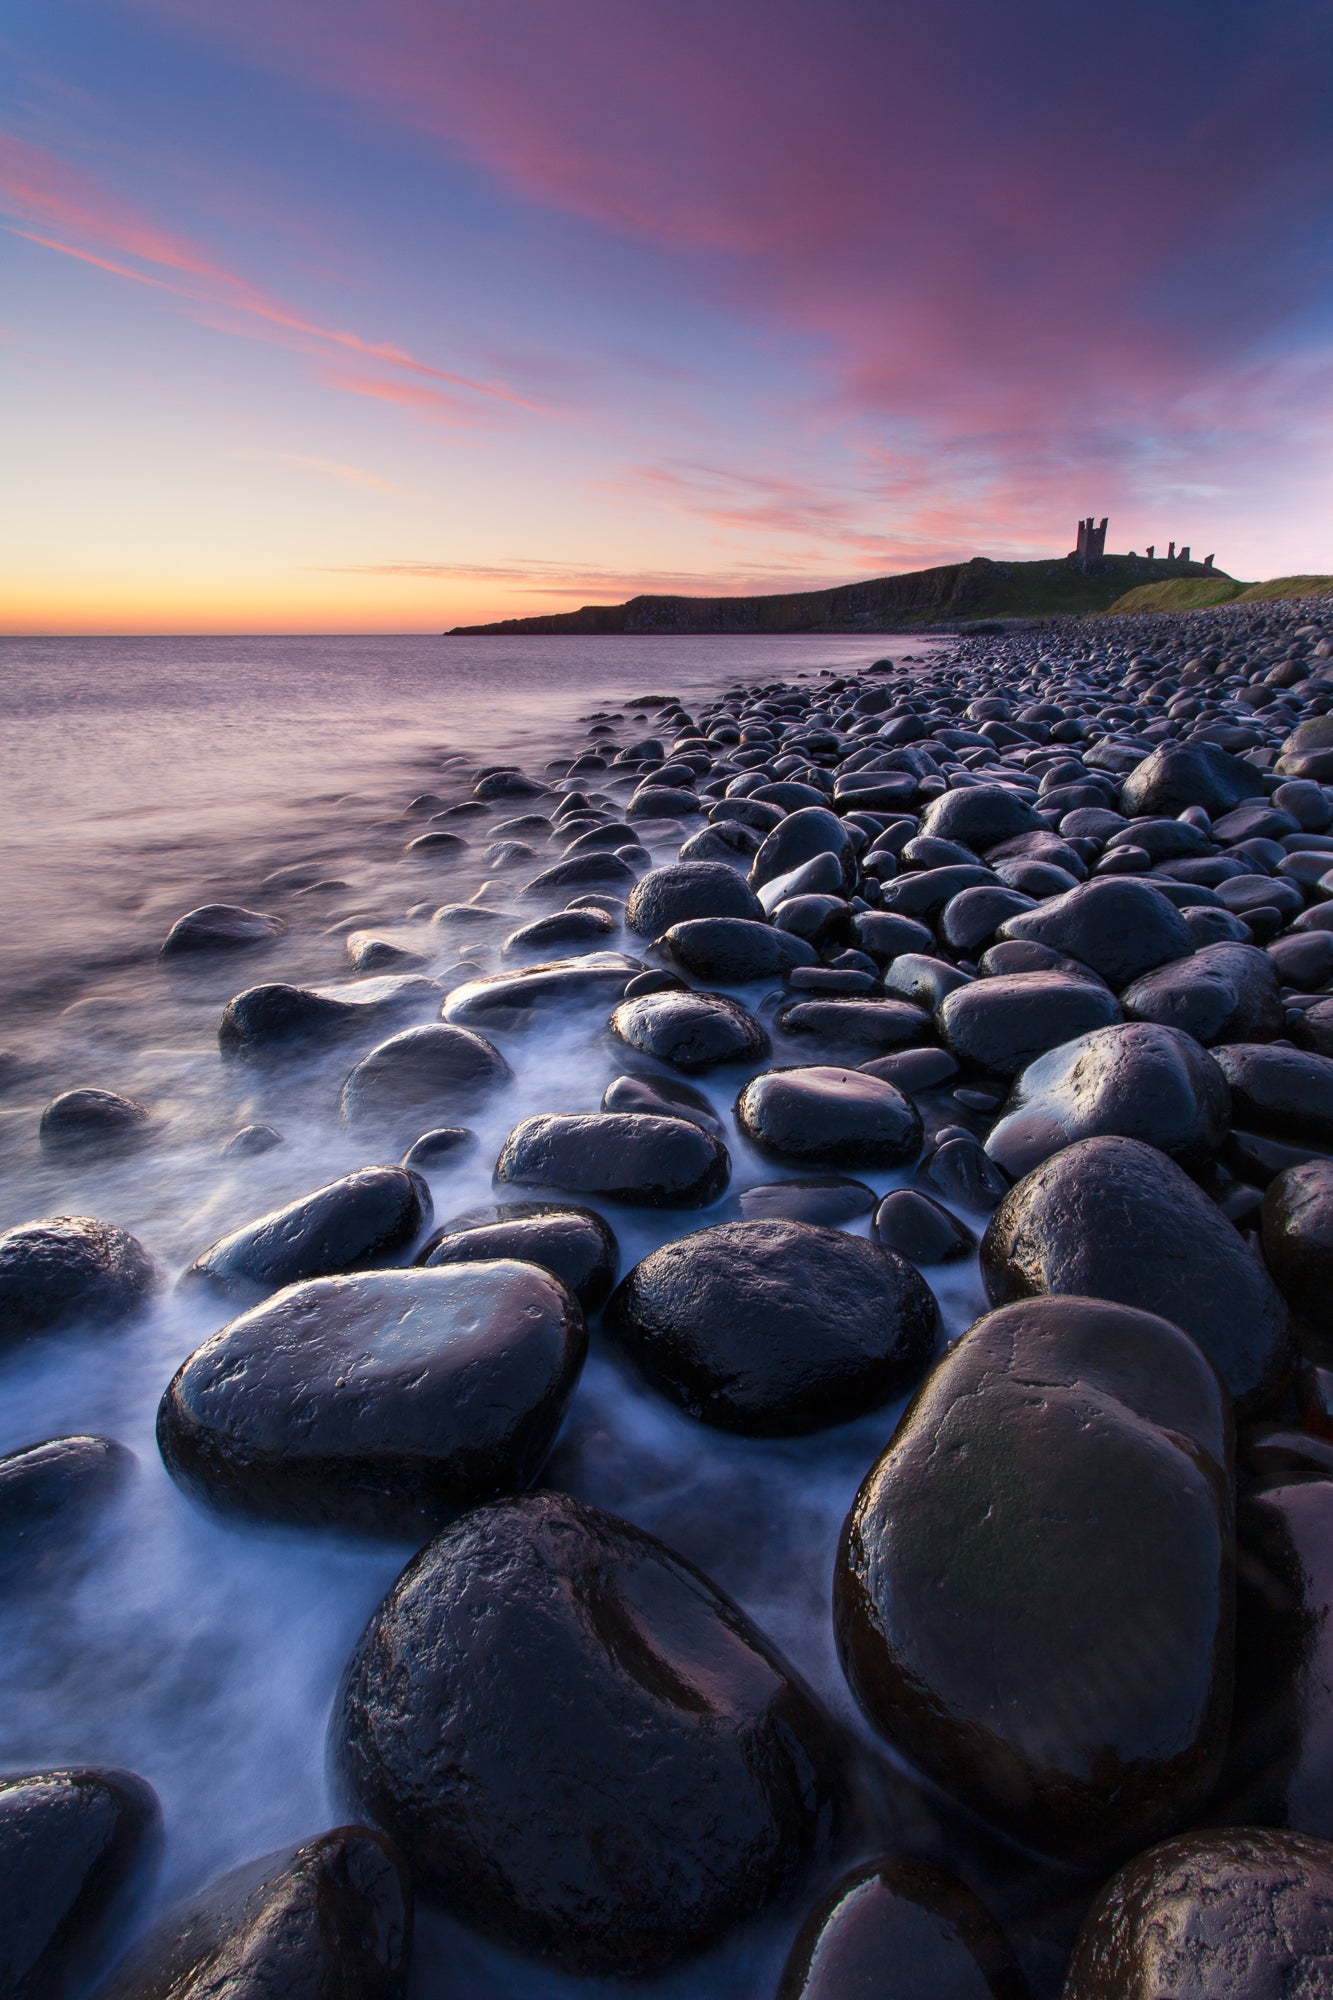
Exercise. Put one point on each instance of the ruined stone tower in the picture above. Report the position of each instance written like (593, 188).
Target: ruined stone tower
(1091, 544)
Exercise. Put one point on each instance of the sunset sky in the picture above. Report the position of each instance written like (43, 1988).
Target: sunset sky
(324, 315)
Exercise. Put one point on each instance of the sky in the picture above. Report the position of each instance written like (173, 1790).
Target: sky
(324, 315)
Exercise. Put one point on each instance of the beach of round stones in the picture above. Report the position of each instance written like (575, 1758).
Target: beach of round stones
(1001, 978)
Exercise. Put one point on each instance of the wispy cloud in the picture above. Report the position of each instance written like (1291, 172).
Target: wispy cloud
(543, 577)
(327, 468)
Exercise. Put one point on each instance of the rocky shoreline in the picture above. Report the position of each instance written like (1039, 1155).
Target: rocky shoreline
(1014, 964)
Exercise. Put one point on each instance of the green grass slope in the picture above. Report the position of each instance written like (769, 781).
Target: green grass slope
(1195, 593)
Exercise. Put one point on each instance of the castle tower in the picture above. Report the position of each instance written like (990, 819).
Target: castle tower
(1091, 544)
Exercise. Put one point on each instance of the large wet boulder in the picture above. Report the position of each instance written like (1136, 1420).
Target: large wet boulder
(1223, 993)
(331, 1920)
(685, 891)
(835, 1117)
(1135, 1079)
(357, 1223)
(661, 1097)
(1121, 929)
(423, 1076)
(920, 1228)
(50, 1492)
(1308, 751)
(1189, 774)
(1222, 1914)
(278, 1017)
(1005, 1022)
(1114, 1218)
(624, 1156)
(1297, 1223)
(590, 870)
(691, 1031)
(517, 999)
(1033, 1596)
(583, 1748)
(799, 838)
(69, 1268)
(1284, 1092)
(774, 1328)
(72, 1844)
(575, 1243)
(384, 1403)
(980, 816)
(88, 1121)
(901, 1926)
(735, 950)
(219, 927)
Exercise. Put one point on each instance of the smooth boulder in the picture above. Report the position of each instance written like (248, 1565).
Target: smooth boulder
(1222, 993)
(422, 1076)
(691, 1031)
(686, 890)
(1121, 929)
(516, 999)
(630, 1157)
(69, 1268)
(383, 1403)
(896, 1927)
(735, 950)
(1284, 1092)
(50, 1492)
(1005, 1022)
(831, 1116)
(219, 927)
(575, 1243)
(1188, 774)
(1297, 1234)
(365, 1219)
(582, 1747)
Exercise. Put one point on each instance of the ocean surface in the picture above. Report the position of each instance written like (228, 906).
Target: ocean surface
(138, 779)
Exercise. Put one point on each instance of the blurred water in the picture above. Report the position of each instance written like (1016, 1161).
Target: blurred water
(141, 778)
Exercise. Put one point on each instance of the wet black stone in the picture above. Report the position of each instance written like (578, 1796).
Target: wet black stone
(1003, 1024)
(506, 785)
(357, 1222)
(691, 1031)
(735, 949)
(624, 1156)
(1297, 1230)
(1314, 1029)
(584, 1749)
(69, 1268)
(661, 1097)
(686, 891)
(1033, 1595)
(1308, 751)
(827, 1199)
(563, 927)
(1135, 1079)
(914, 1069)
(1189, 774)
(858, 1024)
(250, 1141)
(662, 802)
(981, 816)
(1116, 1219)
(774, 1328)
(884, 935)
(729, 842)
(799, 838)
(970, 919)
(959, 1170)
(926, 894)
(331, 1920)
(900, 1926)
(421, 1073)
(383, 1403)
(830, 1116)
(917, 977)
(92, 1121)
(1122, 929)
(1278, 1454)
(1222, 993)
(580, 871)
(1240, 1914)
(575, 1243)
(443, 1143)
(277, 1016)
(1304, 961)
(219, 927)
(1284, 1092)
(1256, 1159)
(72, 1843)
(918, 1228)
(823, 921)
(515, 999)
(50, 1492)
(437, 840)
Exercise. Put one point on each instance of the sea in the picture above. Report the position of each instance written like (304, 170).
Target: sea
(140, 778)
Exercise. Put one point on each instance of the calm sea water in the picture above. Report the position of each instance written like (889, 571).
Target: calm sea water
(139, 778)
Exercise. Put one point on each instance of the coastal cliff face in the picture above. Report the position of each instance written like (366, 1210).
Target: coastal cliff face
(951, 594)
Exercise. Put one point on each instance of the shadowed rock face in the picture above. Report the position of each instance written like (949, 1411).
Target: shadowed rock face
(581, 1746)
(1234, 1915)
(1298, 1239)
(903, 1921)
(1063, 1478)
(367, 1218)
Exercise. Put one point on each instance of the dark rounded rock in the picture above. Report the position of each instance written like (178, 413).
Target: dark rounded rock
(1033, 1595)
(624, 1156)
(561, 928)
(422, 1073)
(50, 1491)
(969, 920)
(960, 1170)
(442, 1143)
(1304, 960)
(862, 1024)
(1116, 1219)
(823, 921)
(736, 949)
(691, 1031)
(1297, 1226)
(1004, 1023)
(251, 1141)
(515, 999)
(884, 935)
(438, 840)
(826, 1198)
(357, 1222)
(1135, 1079)
(920, 1229)
(580, 871)
(925, 894)
(900, 1926)
(1189, 774)
(662, 802)
(775, 1328)
(574, 1243)
(219, 927)
(661, 1097)
(88, 1121)
(69, 1268)
(383, 1403)
(331, 1920)
(368, 953)
(1230, 1914)
(727, 841)
(835, 1117)
(276, 1016)
(72, 1843)
(981, 816)
(798, 839)
(1308, 752)
(917, 977)
(1222, 993)
(1120, 928)
(583, 1748)
(1284, 1092)
(506, 784)
(686, 891)
(1314, 1029)
(915, 1069)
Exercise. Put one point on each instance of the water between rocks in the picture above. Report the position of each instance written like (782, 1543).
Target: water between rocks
(141, 778)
